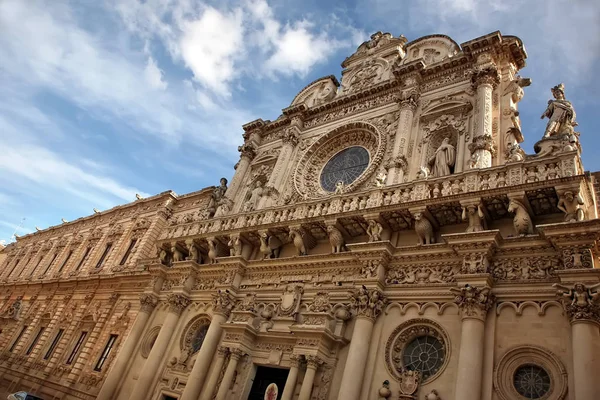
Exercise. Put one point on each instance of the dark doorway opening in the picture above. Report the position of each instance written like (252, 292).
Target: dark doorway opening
(167, 397)
(263, 378)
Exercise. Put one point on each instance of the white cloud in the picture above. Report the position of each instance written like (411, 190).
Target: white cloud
(154, 75)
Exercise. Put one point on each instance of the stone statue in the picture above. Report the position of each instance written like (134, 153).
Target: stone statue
(580, 295)
(424, 229)
(474, 214)
(380, 179)
(14, 310)
(255, 195)
(374, 230)
(443, 159)
(177, 254)
(212, 251)
(514, 152)
(522, 221)
(235, 245)
(270, 245)
(193, 252)
(298, 240)
(163, 255)
(571, 204)
(560, 113)
(423, 173)
(217, 195)
(336, 239)
(339, 187)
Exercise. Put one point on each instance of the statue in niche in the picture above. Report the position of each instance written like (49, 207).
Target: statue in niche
(256, 193)
(560, 113)
(570, 203)
(443, 159)
(216, 196)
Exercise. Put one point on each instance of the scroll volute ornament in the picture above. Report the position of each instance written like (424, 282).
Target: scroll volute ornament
(367, 303)
(473, 302)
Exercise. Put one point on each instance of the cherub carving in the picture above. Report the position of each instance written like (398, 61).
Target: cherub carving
(571, 204)
(374, 230)
(380, 179)
(422, 173)
(474, 214)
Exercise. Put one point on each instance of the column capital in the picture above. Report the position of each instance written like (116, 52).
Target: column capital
(222, 351)
(148, 302)
(580, 302)
(177, 303)
(313, 361)
(290, 136)
(247, 150)
(236, 353)
(408, 104)
(485, 76)
(223, 302)
(473, 302)
(367, 303)
(295, 360)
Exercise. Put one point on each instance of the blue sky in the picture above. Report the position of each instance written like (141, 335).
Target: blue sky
(101, 100)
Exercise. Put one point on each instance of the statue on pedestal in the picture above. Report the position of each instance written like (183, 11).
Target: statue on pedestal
(443, 159)
(560, 113)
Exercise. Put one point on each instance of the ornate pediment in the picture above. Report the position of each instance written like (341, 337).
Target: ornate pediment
(431, 49)
(318, 92)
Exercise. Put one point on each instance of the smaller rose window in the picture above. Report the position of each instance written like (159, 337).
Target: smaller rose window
(424, 354)
(346, 166)
(532, 381)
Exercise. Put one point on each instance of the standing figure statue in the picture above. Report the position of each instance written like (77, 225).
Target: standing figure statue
(443, 159)
(216, 196)
(560, 112)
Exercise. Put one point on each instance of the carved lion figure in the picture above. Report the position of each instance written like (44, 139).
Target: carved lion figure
(336, 239)
(177, 254)
(424, 229)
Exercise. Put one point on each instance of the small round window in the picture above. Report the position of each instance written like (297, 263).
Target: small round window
(346, 166)
(424, 354)
(198, 338)
(532, 381)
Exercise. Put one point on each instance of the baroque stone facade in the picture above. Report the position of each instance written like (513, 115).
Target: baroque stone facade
(386, 237)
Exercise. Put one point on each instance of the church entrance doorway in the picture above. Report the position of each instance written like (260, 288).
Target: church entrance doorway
(263, 378)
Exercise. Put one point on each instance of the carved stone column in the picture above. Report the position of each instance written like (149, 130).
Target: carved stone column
(222, 303)
(207, 393)
(289, 140)
(177, 303)
(481, 148)
(312, 364)
(234, 359)
(367, 305)
(474, 304)
(398, 164)
(292, 379)
(581, 305)
(148, 303)
(247, 154)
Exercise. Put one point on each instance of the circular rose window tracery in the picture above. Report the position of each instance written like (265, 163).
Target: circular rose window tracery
(532, 381)
(356, 141)
(346, 166)
(420, 345)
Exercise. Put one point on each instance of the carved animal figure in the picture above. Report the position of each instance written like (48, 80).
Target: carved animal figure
(336, 239)
(270, 246)
(522, 221)
(164, 257)
(177, 255)
(212, 251)
(193, 251)
(298, 240)
(424, 229)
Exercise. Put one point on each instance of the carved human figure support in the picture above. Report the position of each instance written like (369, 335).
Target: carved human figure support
(485, 80)
(522, 221)
(380, 179)
(235, 245)
(340, 187)
(194, 254)
(473, 303)
(474, 214)
(442, 161)
(177, 303)
(571, 204)
(222, 304)
(374, 230)
(424, 229)
(560, 113)
(367, 305)
(336, 239)
(581, 303)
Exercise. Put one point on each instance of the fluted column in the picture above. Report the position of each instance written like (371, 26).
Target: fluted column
(289, 141)
(248, 152)
(148, 303)
(312, 364)
(292, 378)
(485, 80)
(211, 384)
(222, 304)
(234, 359)
(584, 315)
(367, 305)
(474, 304)
(398, 163)
(177, 303)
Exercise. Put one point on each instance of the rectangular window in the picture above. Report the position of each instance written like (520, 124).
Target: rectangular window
(85, 256)
(12, 347)
(128, 252)
(104, 255)
(51, 262)
(54, 344)
(66, 260)
(106, 352)
(77, 347)
(35, 340)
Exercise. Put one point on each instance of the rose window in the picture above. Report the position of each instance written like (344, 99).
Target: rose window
(424, 354)
(346, 166)
(532, 382)
(198, 338)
